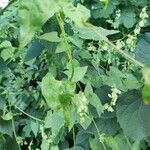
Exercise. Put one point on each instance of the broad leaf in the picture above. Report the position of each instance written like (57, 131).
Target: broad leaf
(54, 121)
(6, 127)
(133, 115)
(34, 50)
(105, 126)
(51, 37)
(35, 127)
(143, 49)
(56, 92)
(94, 33)
(33, 14)
(79, 14)
(79, 73)
(93, 99)
(128, 17)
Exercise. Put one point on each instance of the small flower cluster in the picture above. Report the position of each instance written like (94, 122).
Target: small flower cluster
(114, 97)
(120, 43)
(118, 14)
(132, 39)
(131, 42)
(83, 108)
(115, 23)
(143, 20)
(91, 47)
(103, 46)
(102, 138)
(44, 136)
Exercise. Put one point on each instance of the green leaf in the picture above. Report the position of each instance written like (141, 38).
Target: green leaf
(7, 116)
(6, 127)
(51, 37)
(112, 143)
(32, 16)
(79, 73)
(143, 49)
(61, 47)
(118, 142)
(82, 139)
(54, 121)
(122, 81)
(121, 141)
(87, 121)
(7, 53)
(72, 12)
(105, 126)
(34, 50)
(146, 88)
(54, 148)
(53, 90)
(133, 115)
(93, 99)
(128, 17)
(94, 33)
(95, 144)
(35, 127)
(45, 144)
(98, 10)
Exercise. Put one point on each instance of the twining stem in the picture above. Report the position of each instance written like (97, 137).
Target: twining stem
(98, 132)
(61, 24)
(68, 47)
(32, 117)
(120, 51)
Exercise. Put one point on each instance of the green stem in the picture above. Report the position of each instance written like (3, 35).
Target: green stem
(98, 133)
(32, 117)
(13, 125)
(120, 51)
(74, 141)
(68, 47)
(128, 142)
(61, 24)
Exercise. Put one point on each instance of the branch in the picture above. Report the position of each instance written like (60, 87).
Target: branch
(120, 51)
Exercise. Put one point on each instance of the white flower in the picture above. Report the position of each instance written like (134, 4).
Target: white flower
(137, 30)
(110, 109)
(3, 3)
(141, 23)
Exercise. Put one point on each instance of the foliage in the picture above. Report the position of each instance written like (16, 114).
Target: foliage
(75, 75)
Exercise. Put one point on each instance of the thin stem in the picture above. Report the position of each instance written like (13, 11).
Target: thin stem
(128, 142)
(98, 133)
(13, 125)
(69, 50)
(61, 24)
(32, 117)
(74, 141)
(120, 51)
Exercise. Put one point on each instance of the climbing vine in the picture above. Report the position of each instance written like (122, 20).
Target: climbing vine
(74, 75)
